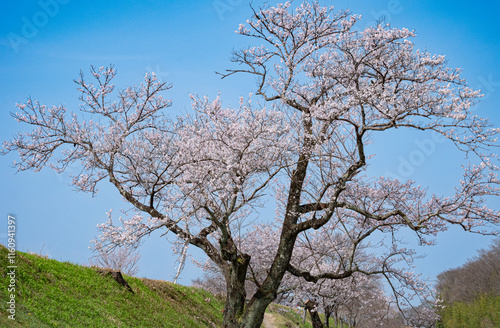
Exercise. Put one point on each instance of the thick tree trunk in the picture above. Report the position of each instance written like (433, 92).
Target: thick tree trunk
(267, 292)
(254, 313)
(235, 292)
(236, 314)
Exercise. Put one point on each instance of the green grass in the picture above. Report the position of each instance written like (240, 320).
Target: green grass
(61, 294)
(483, 312)
(286, 317)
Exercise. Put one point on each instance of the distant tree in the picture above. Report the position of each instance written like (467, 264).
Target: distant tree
(487, 265)
(357, 300)
(213, 281)
(471, 293)
(330, 87)
(124, 259)
(425, 316)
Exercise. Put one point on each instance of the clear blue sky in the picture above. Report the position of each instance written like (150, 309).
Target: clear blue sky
(44, 44)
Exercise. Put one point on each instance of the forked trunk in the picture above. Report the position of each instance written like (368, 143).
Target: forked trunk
(236, 314)
(254, 313)
(267, 292)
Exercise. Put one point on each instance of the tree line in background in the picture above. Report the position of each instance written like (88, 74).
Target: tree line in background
(471, 293)
(359, 300)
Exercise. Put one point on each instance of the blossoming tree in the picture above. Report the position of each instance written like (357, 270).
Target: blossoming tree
(359, 298)
(330, 87)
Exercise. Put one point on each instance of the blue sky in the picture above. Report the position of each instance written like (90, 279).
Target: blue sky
(44, 44)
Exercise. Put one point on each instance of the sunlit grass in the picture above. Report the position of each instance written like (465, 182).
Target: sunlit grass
(55, 294)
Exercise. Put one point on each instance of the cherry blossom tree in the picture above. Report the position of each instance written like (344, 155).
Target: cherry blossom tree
(350, 299)
(329, 88)
(357, 300)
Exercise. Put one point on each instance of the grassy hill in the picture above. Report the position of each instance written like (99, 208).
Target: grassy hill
(50, 293)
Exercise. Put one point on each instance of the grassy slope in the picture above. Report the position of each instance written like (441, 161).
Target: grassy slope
(285, 317)
(61, 294)
(55, 294)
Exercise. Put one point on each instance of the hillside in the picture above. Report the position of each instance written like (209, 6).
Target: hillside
(50, 293)
(54, 294)
(471, 292)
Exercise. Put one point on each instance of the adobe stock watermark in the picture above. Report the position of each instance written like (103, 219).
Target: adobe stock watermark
(487, 86)
(70, 172)
(11, 267)
(424, 148)
(221, 7)
(392, 8)
(407, 165)
(158, 71)
(32, 25)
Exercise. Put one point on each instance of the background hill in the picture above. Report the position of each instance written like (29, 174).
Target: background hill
(471, 292)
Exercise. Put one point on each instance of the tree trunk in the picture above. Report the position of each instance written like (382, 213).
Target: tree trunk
(267, 292)
(235, 292)
(117, 275)
(328, 313)
(236, 314)
(312, 307)
(254, 313)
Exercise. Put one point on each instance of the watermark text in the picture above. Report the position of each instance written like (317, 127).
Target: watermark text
(31, 25)
(11, 266)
